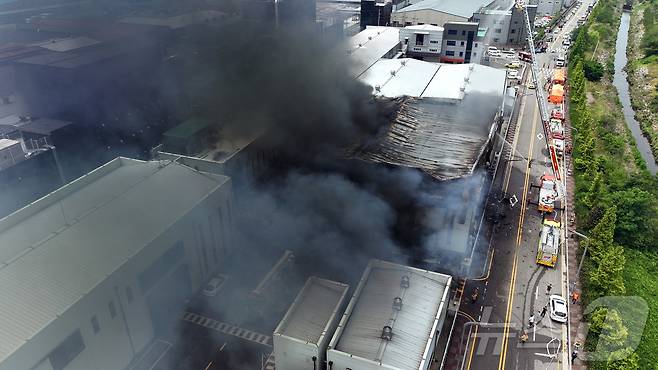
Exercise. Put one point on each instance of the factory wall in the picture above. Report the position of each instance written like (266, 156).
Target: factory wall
(117, 320)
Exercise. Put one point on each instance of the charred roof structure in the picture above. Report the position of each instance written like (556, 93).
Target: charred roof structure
(392, 320)
(447, 116)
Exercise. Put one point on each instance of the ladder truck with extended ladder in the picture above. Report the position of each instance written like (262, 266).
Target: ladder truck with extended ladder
(540, 93)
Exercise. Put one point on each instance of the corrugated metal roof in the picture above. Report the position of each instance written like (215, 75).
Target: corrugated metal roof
(459, 8)
(444, 129)
(369, 45)
(57, 249)
(44, 126)
(313, 309)
(371, 309)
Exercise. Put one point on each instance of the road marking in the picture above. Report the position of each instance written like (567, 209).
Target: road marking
(228, 329)
(508, 316)
(470, 356)
(536, 293)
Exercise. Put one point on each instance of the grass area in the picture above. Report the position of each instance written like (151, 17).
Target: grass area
(640, 278)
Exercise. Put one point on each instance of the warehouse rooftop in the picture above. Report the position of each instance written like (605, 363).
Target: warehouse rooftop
(459, 8)
(424, 297)
(312, 311)
(58, 248)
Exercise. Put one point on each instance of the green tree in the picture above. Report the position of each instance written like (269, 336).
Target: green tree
(623, 359)
(593, 70)
(636, 218)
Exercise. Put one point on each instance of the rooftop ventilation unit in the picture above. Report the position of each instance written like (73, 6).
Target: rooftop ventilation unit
(393, 72)
(462, 88)
(403, 62)
(387, 333)
(369, 37)
(404, 282)
(397, 303)
(378, 88)
(470, 68)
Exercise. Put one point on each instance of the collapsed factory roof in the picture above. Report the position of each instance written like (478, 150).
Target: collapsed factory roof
(313, 310)
(415, 320)
(446, 117)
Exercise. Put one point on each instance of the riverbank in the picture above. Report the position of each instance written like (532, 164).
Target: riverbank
(643, 73)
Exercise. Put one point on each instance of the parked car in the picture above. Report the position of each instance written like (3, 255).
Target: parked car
(531, 85)
(513, 65)
(213, 285)
(513, 74)
(493, 51)
(558, 308)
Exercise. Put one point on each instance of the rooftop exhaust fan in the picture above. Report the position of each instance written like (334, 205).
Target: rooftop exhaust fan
(404, 282)
(403, 62)
(393, 73)
(397, 303)
(387, 333)
(378, 88)
(369, 37)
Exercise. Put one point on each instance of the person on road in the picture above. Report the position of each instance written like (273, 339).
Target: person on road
(543, 311)
(531, 320)
(575, 296)
(524, 336)
(574, 355)
(548, 288)
(474, 295)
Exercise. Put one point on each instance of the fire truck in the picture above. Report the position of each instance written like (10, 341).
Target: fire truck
(548, 194)
(549, 243)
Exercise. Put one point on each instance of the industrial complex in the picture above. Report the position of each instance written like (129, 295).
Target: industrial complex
(153, 215)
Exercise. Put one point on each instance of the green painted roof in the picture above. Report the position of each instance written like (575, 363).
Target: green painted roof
(188, 128)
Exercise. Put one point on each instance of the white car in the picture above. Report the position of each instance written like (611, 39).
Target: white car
(513, 74)
(566, 42)
(493, 51)
(558, 308)
(213, 286)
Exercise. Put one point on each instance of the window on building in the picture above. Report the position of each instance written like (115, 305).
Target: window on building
(498, 30)
(452, 32)
(516, 22)
(395, 24)
(451, 43)
(496, 39)
(407, 23)
(95, 325)
(461, 43)
(434, 24)
(113, 309)
(477, 20)
(511, 40)
(420, 39)
(463, 33)
(434, 42)
(475, 54)
(66, 351)
(417, 49)
(461, 53)
(476, 44)
(450, 53)
(434, 50)
(129, 293)
(421, 23)
(513, 30)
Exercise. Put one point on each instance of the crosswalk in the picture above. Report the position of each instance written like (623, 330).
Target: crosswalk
(269, 363)
(229, 329)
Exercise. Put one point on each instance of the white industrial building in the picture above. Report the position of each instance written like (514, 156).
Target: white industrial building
(548, 7)
(424, 40)
(368, 46)
(437, 12)
(392, 321)
(92, 271)
(302, 336)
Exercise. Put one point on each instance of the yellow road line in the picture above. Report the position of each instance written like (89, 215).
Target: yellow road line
(470, 356)
(508, 315)
(485, 277)
(466, 315)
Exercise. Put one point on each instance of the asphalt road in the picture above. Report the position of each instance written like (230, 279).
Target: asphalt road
(516, 287)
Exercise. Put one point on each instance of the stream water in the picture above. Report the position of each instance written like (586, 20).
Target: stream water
(621, 84)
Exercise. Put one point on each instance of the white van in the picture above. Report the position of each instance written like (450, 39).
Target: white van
(560, 62)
